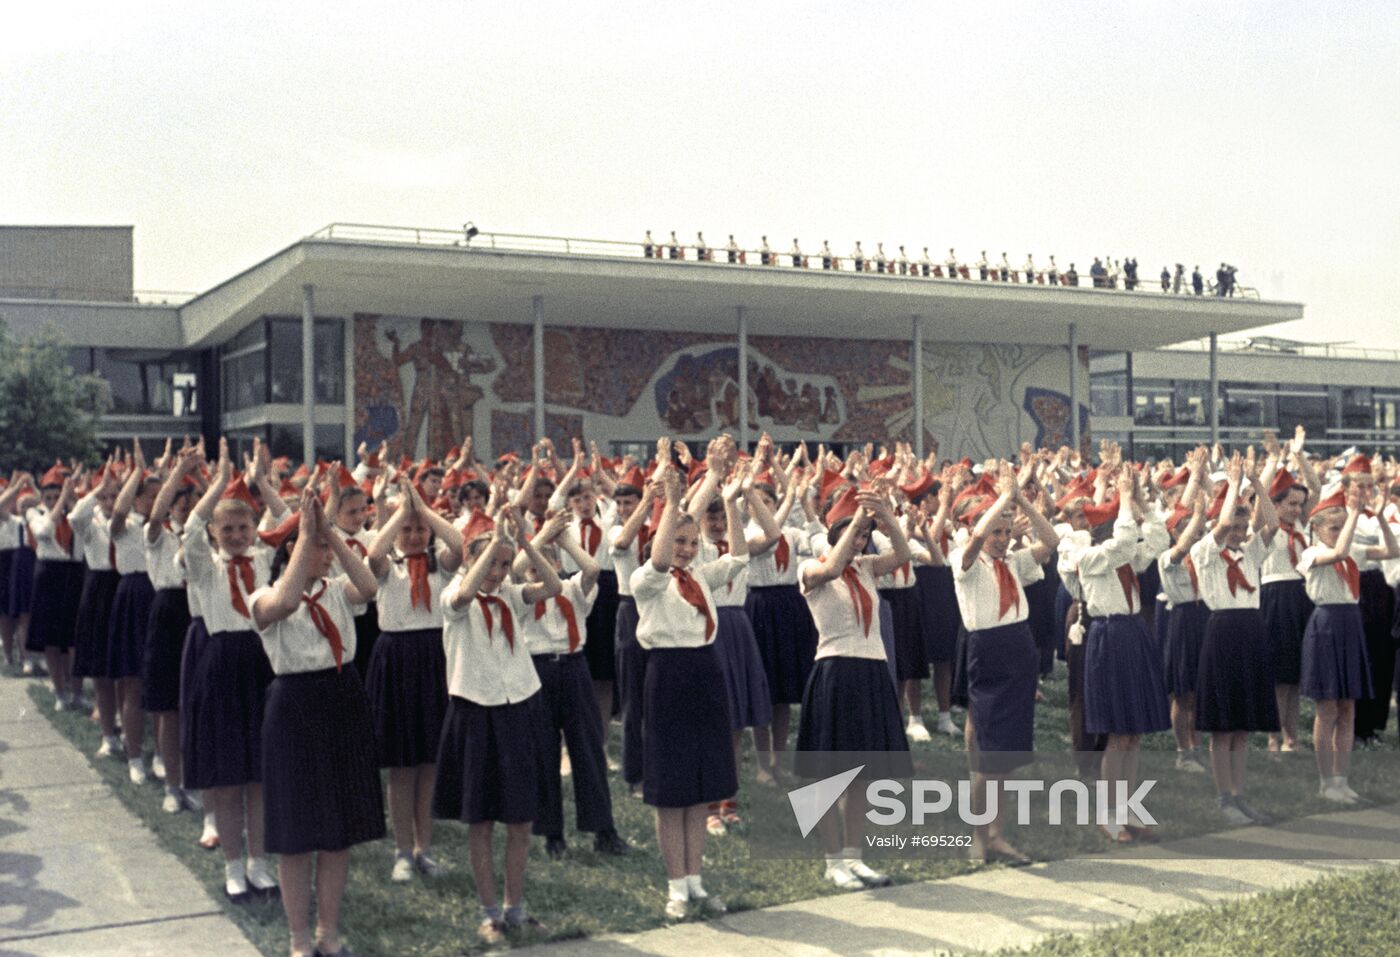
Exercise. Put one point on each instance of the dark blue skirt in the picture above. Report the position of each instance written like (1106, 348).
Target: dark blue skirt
(7, 561)
(745, 683)
(1160, 626)
(1062, 604)
(887, 640)
(1002, 669)
(631, 682)
(53, 615)
(129, 625)
(487, 768)
(941, 618)
(92, 622)
(222, 692)
(787, 639)
(1235, 683)
(689, 754)
(958, 692)
(366, 634)
(1335, 663)
(165, 646)
(321, 788)
(19, 593)
(907, 624)
(407, 690)
(850, 708)
(600, 649)
(1186, 627)
(1286, 607)
(1123, 688)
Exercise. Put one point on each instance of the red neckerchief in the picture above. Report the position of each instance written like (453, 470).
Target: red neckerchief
(419, 591)
(590, 535)
(1195, 579)
(861, 601)
(566, 608)
(507, 623)
(1128, 579)
(1234, 574)
(722, 547)
(63, 534)
(782, 555)
(1294, 540)
(1008, 594)
(354, 545)
(111, 550)
(324, 623)
(694, 595)
(1349, 573)
(240, 566)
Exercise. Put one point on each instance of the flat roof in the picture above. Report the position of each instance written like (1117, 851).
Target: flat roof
(477, 282)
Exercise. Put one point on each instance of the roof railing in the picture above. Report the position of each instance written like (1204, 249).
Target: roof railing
(1327, 350)
(875, 263)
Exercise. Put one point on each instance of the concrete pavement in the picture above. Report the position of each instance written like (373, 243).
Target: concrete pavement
(79, 875)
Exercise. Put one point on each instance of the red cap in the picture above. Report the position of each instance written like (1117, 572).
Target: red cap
(238, 489)
(54, 476)
(405, 463)
(634, 478)
(844, 507)
(971, 516)
(278, 535)
(830, 482)
(881, 466)
(1098, 514)
(918, 487)
(1180, 477)
(478, 524)
(1359, 465)
(1177, 516)
(1219, 503)
(766, 478)
(1283, 481)
(1337, 499)
(287, 488)
(302, 472)
(451, 480)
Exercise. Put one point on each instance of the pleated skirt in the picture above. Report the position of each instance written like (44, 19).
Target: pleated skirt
(128, 626)
(487, 763)
(1186, 628)
(1286, 608)
(600, 650)
(1123, 688)
(407, 690)
(745, 682)
(92, 622)
(1235, 682)
(787, 639)
(939, 605)
(165, 646)
(1335, 663)
(366, 634)
(907, 624)
(688, 752)
(222, 693)
(1002, 669)
(53, 615)
(631, 682)
(19, 590)
(321, 789)
(850, 709)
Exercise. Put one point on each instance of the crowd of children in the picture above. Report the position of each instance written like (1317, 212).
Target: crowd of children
(292, 632)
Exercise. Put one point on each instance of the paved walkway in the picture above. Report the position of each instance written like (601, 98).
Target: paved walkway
(1003, 907)
(79, 875)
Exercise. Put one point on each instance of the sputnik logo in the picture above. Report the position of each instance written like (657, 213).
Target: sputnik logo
(811, 801)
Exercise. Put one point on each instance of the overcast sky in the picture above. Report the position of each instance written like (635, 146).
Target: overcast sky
(1262, 133)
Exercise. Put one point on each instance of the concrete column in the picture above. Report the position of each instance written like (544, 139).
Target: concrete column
(743, 319)
(347, 343)
(1214, 397)
(308, 375)
(1074, 437)
(918, 362)
(539, 367)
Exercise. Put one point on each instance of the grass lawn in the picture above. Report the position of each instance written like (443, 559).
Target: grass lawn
(587, 894)
(1357, 915)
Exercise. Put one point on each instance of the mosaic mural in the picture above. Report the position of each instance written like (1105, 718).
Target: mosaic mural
(422, 384)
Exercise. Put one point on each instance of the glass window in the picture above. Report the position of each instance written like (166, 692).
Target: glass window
(1152, 402)
(285, 439)
(245, 381)
(1351, 407)
(1249, 405)
(1108, 393)
(1309, 411)
(254, 334)
(1191, 402)
(285, 344)
(143, 382)
(1387, 408)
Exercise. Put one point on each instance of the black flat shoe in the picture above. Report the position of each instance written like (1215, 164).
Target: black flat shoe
(610, 843)
(555, 847)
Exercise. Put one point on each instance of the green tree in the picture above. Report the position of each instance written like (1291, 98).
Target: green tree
(47, 411)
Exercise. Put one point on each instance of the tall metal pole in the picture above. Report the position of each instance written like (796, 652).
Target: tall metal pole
(1074, 438)
(539, 366)
(743, 318)
(918, 361)
(1214, 397)
(308, 375)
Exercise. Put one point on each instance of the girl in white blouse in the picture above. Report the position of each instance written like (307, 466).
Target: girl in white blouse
(850, 702)
(488, 768)
(1336, 669)
(1235, 685)
(321, 784)
(57, 577)
(413, 557)
(633, 497)
(689, 756)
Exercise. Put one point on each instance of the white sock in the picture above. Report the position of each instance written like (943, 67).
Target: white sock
(945, 716)
(678, 889)
(234, 871)
(692, 882)
(850, 854)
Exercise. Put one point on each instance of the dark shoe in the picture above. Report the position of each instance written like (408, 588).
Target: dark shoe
(1255, 816)
(555, 847)
(342, 952)
(611, 843)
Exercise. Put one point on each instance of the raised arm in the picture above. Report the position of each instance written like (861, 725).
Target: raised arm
(1341, 550)
(383, 544)
(184, 463)
(734, 524)
(223, 472)
(663, 542)
(474, 574)
(882, 513)
(839, 557)
(549, 584)
(587, 565)
(1235, 473)
(280, 601)
(363, 583)
(1190, 535)
(1006, 488)
(127, 496)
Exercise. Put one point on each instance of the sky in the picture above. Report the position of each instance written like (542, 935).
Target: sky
(1264, 134)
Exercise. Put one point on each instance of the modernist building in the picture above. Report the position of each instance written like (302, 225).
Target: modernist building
(420, 337)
